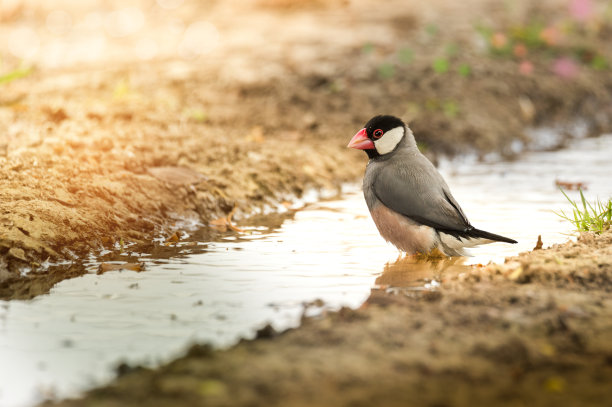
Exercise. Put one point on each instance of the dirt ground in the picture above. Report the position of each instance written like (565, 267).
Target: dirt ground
(117, 148)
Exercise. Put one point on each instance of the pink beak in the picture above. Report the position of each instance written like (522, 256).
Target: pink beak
(361, 141)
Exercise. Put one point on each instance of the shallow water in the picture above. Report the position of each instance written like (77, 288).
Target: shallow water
(69, 340)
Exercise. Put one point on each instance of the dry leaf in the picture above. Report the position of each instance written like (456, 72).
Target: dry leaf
(229, 221)
(173, 239)
(224, 223)
(571, 186)
(220, 224)
(539, 244)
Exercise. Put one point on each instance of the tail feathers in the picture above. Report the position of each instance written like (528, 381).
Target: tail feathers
(477, 233)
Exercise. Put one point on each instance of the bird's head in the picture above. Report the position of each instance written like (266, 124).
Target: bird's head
(381, 135)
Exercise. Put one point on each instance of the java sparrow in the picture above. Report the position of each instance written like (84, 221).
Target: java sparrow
(408, 199)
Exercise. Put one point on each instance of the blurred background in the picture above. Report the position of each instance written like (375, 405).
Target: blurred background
(125, 124)
(432, 64)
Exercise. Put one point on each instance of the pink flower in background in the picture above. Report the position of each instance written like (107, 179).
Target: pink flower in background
(565, 68)
(551, 35)
(526, 68)
(499, 40)
(520, 51)
(581, 10)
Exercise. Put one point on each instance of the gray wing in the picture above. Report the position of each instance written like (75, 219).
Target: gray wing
(416, 190)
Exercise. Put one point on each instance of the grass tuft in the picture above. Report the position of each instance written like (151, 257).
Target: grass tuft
(386, 70)
(14, 75)
(587, 217)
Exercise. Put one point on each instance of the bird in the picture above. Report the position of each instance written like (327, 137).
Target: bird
(409, 201)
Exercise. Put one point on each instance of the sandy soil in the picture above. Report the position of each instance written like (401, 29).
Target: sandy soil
(122, 150)
(534, 331)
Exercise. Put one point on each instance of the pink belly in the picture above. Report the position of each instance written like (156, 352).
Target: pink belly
(402, 232)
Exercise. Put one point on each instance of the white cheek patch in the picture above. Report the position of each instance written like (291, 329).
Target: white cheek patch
(389, 140)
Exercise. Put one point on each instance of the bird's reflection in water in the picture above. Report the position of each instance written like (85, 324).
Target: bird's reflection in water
(420, 271)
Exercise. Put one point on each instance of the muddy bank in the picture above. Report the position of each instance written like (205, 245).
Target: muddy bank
(119, 151)
(534, 331)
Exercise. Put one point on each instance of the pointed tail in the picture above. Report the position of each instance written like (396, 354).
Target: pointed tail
(487, 235)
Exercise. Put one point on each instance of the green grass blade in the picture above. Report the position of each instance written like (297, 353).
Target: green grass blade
(594, 216)
(13, 75)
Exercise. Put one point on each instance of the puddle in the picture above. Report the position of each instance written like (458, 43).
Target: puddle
(59, 344)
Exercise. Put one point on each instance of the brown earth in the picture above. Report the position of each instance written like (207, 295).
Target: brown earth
(122, 151)
(535, 331)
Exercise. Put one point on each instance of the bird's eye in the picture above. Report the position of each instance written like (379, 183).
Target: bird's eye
(378, 133)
